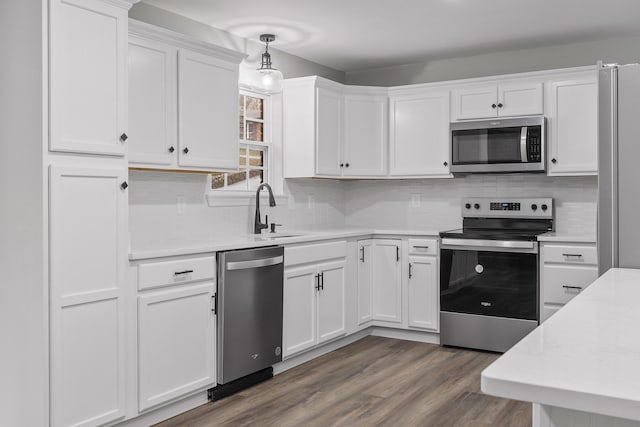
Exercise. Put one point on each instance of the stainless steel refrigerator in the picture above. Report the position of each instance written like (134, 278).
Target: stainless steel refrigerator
(618, 166)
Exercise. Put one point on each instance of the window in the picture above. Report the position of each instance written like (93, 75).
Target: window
(254, 146)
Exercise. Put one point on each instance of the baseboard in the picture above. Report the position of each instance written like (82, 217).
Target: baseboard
(403, 334)
(168, 411)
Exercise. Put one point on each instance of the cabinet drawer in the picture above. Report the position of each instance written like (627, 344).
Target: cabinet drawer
(313, 253)
(423, 246)
(570, 254)
(563, 282)
(167, 273)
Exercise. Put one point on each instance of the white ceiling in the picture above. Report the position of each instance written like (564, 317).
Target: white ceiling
(351, 35)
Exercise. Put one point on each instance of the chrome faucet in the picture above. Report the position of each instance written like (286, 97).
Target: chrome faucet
(259, 226)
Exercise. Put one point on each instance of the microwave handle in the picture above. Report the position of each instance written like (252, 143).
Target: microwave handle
(523, 144)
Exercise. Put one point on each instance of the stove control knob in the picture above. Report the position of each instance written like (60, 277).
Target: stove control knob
(476, 205)
(534, 207)
(544, 207)
(467, 205)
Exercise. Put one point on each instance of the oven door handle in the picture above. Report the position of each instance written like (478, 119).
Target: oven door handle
(511, 244)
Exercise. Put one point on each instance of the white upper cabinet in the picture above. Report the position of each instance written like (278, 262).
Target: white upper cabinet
(364, 146)
(88, 80)
(573, 136)
(328, 132)
(419, 134)
(207, 111)
(152, 102)
(333, 131)
(498, 100)
(183, 108)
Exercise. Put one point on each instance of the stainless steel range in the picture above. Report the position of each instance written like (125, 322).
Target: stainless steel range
(489, 284)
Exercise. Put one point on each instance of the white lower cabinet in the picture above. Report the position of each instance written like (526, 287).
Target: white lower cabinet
(423, 292)
(566, 270)
(314, 305)
(176, 343)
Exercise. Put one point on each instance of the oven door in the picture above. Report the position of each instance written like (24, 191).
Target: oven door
(500, 281)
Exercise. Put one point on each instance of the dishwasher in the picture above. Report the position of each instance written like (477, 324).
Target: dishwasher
(249, 308)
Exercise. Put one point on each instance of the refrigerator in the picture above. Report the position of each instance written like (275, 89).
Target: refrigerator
(618, 166)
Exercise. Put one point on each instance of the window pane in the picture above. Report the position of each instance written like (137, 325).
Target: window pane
(256, 158)
(254, 131)
(241, 116)
(256, 177)
(255, 108)
(217, 180)
(237, 180)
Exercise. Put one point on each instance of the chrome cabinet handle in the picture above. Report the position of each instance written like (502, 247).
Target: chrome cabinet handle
(410, 268)
(420, 247)
(317, 282)
(572, 287)
(362, 257)
(572, 255)
(397, 253)
(322, 281)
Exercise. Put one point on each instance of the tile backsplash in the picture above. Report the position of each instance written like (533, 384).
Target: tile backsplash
(172, 206)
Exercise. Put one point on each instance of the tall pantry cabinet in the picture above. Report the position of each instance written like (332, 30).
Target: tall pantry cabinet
(88, 247)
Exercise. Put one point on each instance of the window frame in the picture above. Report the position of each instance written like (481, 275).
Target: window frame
(266, 144)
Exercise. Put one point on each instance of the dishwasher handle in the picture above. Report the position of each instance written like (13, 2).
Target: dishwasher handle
(255, 263)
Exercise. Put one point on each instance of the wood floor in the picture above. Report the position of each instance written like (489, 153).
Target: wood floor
(372, 382)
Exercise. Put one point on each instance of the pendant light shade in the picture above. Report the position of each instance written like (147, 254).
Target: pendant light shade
(270, 78)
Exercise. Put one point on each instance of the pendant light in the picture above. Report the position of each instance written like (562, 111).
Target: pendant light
(271, 78)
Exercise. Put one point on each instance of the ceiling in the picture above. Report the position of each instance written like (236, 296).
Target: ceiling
(351, 35)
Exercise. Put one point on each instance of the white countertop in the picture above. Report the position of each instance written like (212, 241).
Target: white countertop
(158, 249)
(559, 236)
(586, 357)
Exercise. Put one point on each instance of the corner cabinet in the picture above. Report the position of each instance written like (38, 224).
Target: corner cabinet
(573, 134)
(419, 133)
(333, 131)
(183, 108)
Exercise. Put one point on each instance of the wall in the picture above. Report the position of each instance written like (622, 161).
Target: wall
(387, 204)
(154, 217)
(290, 65)
(621, 50)
(23, 297)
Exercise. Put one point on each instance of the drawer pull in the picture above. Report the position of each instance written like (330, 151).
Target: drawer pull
(420, 247)
(179, 273)
(572, 255)
(572, 287)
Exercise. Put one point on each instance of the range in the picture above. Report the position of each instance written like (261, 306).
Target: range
(489, 275)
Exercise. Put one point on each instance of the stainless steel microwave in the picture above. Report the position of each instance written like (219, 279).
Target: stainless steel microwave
(498, 145)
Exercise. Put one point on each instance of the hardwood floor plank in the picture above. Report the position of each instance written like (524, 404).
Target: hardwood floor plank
(373, 382)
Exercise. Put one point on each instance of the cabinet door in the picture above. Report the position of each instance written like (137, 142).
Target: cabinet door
(328, 132)
(176, 334)
(364, 147)
(387, 281)
(88, 71)
(152, 102)
(423, 292)
(331, 301)
(88, 256)
(365, 281)
(574, 127)
(207, 112)
(299, 310)
(520, 99)
(475, 103)
(419, 135)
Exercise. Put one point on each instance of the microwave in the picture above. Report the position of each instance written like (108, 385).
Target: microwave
(498, 145)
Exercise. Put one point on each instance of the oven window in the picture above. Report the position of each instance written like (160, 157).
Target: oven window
(484, 146)
(501, 284)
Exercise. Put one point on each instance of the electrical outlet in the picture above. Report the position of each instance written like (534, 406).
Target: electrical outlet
(180, 205)
(415, 200)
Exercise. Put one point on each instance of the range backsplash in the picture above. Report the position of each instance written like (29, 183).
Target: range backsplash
(327, 204)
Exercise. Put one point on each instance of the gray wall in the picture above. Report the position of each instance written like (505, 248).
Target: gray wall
(290, 65)
(23, 298)
(621, 50)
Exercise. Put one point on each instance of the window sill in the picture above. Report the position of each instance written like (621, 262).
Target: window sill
(223, 198)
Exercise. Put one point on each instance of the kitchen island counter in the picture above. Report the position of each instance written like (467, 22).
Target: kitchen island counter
(583, 364)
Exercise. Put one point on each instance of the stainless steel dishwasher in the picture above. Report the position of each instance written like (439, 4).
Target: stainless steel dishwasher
(250, 284)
